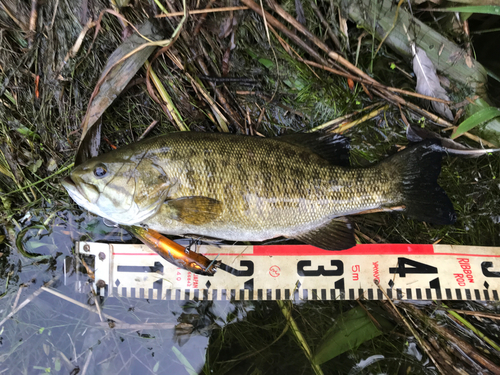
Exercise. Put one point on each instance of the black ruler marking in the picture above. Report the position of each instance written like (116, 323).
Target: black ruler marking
(486, 295)
(448, 293)
(399, 294)
(428, 293)
(477, 294)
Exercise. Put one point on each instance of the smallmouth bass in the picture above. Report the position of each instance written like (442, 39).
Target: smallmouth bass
(242, 188)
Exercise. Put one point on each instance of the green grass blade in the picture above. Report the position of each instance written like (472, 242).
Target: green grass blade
(189, 368)
(348, 332)
(477, 118)
(484, 9)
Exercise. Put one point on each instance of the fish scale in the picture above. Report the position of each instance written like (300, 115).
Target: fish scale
(300, 194)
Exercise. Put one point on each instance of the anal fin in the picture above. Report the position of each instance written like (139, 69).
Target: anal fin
(337, 234)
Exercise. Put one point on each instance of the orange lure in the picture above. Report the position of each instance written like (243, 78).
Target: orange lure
(173, 252)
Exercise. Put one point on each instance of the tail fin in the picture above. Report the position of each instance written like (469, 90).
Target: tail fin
(418, 168)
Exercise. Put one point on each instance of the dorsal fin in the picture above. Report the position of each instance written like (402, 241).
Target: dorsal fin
(334, 148)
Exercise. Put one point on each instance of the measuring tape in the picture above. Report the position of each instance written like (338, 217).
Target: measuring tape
(302, 272)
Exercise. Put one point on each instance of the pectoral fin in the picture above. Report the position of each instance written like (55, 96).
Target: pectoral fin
(193, 210)
(335, 235)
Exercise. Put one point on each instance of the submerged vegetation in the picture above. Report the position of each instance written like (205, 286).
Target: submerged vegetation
(227, 71)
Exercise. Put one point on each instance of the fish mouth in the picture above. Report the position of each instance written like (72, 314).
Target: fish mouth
(72, 188)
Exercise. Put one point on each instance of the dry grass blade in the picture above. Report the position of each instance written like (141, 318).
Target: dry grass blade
(424, 345)
(167, 105)
(221, 119)
(346, 126)
(26, 301)
(202, 11)
(463, 346)
(116, 75)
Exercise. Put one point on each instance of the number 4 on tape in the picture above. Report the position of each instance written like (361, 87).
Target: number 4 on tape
(302, 272)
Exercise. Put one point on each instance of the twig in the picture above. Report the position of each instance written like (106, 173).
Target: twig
(390, 30)
(375, 84)
(33, 18)
(319, 43)
(343, 127)
(423, 345)
(472, 328)
(203, 17)
(220, 117)
(27, 300)
(479, 314)
(168, 106)
(87, 362)
(201, 11)
(290, 50)
(75, 302)
(341, 119)
(40, 181)
(278, 25)
(148, 129)
(462, 345)
(54, 15)
(332, 36)
(135, 327)
(96, 301)
(78, 43)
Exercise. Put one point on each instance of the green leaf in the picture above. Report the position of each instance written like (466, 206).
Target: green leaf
(348, 332)
(485, 9)
(57, 365)
(35, 166)
(477, 118)
(267, 63)
(184, 361)
(252, 54)
(23, 130)
(156, 366)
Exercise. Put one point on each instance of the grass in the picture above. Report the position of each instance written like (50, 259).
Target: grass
(38, 138)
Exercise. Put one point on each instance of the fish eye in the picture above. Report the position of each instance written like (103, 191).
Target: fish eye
(100, 171)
